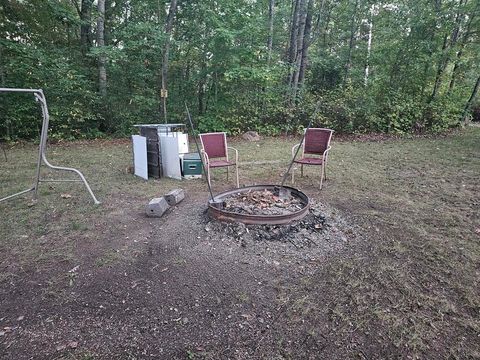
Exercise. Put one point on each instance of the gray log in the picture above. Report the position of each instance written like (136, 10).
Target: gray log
(157, 207)
(175, 196)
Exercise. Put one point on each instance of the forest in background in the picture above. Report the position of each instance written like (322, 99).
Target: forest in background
(395, 67)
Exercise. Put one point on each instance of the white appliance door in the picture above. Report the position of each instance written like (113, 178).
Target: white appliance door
(140, 156)
(170, 157)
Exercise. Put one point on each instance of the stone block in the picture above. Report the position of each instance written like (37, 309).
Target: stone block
(175, 196)
(157, 207)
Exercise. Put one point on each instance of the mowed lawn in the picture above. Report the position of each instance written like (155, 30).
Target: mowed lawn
(406, 287)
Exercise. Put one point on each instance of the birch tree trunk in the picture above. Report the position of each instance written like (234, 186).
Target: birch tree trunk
(369, 43)
(102, 71)
(166, 50)
(271, 13)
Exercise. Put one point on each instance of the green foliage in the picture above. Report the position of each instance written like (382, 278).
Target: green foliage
(422, 66)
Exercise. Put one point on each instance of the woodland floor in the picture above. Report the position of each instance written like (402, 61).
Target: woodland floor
(395, 274)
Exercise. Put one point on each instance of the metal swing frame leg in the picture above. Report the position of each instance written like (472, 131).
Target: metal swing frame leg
(42, 158)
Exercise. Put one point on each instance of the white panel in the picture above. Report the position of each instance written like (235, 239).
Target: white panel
(182, 143)
(170, 157)
(140, 156)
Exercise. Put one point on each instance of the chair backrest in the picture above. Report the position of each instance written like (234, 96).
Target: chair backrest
(215, 144)
(317, 140)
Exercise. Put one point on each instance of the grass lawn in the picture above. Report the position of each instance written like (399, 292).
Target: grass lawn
(79, 281)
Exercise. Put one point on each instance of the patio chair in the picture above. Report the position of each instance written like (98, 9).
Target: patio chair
(215, 153)
(316, 146)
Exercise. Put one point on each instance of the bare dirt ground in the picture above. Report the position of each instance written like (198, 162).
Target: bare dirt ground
(392, 272)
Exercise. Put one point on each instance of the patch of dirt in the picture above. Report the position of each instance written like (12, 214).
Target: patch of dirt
(178, 287)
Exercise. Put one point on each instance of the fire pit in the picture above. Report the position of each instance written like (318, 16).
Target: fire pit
(259, 204)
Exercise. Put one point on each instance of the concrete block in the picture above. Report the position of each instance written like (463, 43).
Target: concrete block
(157, 207)
(175, 196)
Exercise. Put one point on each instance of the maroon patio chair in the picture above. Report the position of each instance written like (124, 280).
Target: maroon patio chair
(316, 146)
(215, 153)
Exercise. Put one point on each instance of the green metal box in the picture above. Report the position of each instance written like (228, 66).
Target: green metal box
(192, 165)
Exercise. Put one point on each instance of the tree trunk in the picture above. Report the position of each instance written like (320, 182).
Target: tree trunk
(271, 12)
(300, 44)
(306, 44)
(166, 50)
(102, 71)
(86, 26)
(459, 54)
(351, 42)
(469, 103)
(369, 43)
(2, 70)
(445, 55)
(292, 49)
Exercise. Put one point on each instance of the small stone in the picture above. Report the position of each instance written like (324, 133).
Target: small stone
(20, 318)
(251, 136)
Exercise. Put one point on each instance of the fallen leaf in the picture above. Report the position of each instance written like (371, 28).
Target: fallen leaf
(66, 196)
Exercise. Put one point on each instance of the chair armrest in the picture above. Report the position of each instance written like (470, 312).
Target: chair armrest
(293, 150)
(205, 156)
(236, 153)
(325, 153)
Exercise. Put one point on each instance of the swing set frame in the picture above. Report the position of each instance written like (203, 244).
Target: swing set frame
(42, 150)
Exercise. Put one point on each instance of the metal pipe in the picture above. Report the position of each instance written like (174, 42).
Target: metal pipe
(20, 90)
(19, 193)
(198, 149)
(59, 180)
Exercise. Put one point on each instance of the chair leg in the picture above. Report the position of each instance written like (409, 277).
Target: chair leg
(325, 172)
(293, 175)
(236, 171)
(301, 170)
(321, 176)
(208, 176)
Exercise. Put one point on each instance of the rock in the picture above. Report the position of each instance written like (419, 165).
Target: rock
(157, 207)
(175, 196)
(251, 136)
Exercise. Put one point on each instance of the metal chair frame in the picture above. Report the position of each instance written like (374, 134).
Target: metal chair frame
(42, 149)
(207, 159)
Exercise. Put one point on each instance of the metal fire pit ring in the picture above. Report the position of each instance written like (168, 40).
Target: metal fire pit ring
(249, 219)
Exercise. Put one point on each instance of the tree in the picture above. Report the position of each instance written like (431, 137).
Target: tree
(102, 71)
(166, 50)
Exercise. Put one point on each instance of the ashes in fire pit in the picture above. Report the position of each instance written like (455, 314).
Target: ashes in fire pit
(262, 202)
(259, 204)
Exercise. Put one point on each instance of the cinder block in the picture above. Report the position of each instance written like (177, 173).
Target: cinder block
(157, 207)
(175, 196)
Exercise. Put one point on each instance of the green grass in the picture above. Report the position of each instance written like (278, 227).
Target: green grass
(412, 280)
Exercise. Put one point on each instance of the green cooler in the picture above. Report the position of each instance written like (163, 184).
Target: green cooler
(191, 166)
